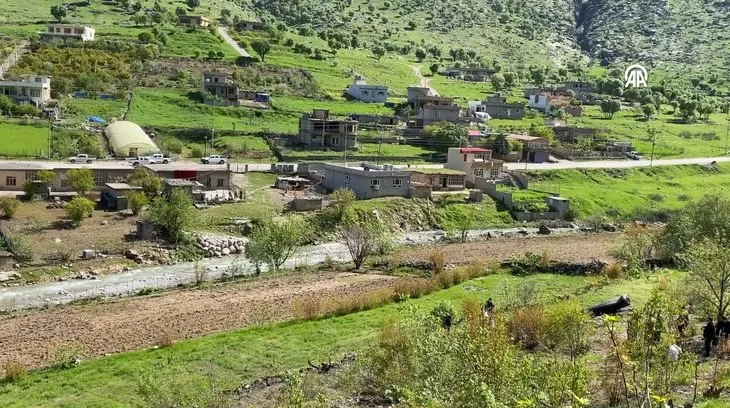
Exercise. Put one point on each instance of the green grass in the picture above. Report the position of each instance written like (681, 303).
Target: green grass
(244, 355)
(23, 140)
(626, 190)
(367, 151)
(185, 42)
(175, 109)
(336, 107)
(78, 110)
(259, 204)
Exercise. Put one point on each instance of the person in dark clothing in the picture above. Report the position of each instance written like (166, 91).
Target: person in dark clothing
(723, 327)
(709, 335)
(488, 306)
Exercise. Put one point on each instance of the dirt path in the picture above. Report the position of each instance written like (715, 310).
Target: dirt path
(227, 38)
(423, 81)
(136, 323)
(564, 248)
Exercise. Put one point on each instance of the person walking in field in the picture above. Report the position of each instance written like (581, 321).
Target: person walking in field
(709, 335)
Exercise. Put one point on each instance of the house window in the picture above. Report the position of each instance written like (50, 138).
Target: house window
(31, 176)
(215, 79)
(10, 181)
(479, 172)
(375, 183)
(494, 172)
(99, 179)
(365, 93)
(397, 183)
(464, 157)
(219, 182)
(347, 180)
(479, 156)
(454, 181)
(335, 141)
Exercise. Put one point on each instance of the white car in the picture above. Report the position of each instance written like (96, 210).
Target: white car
(214, 159)
(154, 159)
(82, 158)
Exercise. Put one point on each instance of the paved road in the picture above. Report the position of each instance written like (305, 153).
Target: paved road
(601, 164)
(223, 31)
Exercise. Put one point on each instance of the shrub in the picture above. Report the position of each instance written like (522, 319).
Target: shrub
(78, 209)
(17, 245)
(445, 279)
(684, 197)
(526, 326)
(437, 261)
(201, 273)
(567, 327)
(9, 206)
(165, 340)
(614, 271)
(196, 152)
(306, 309)
(68, 355)
(545, 259)
(656, 197)
(14, 371)
(136, 200)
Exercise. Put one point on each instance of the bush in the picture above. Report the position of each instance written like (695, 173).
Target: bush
(17, 245)
(68, 355)
(614, 271)
(196, 152)
(136, 200)
(14, 371)
(526, 326)
(9, 205)
(306, 309)
(567, 327)
(437, 261)
(656, 197)
(684, 197)
(78, 209)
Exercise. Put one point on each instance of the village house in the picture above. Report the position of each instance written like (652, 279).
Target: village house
(210, 176)
(250, 25)
(194, 21)
(319, 130)
(67, 32)
(429, 114)
(114, 196)
(573, 134)
(219, 88)
(497, 107)
(29, 89)
(438, 179)
(368, 180)
(474, 162)
(534, 149)
(469, 74)
(419, 96)
(366, 120)
(360, 90)
(581, 88)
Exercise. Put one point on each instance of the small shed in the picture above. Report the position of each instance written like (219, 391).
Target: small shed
(114, 196)
(188, 185)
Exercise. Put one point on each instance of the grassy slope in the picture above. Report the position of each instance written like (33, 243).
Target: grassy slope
(259, 203)
(22, 140)
(625, 190)
(246, 354)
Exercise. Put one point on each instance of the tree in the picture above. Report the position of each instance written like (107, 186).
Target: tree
(446, 134)
(648, 110)
(609, 107)
(58, 12)
(378, 51)
(705, 220)
(709, 276)
(340, 201)
(412, 25)
(136, 7)
(173, 215)
(46, 176)
(459, 220)
(434, 68)
(212, 54)
(78, 209)
(273, 242)
(81, 180)
(674, 105)
(179, 11)
(261, 47)
(140, 19)
(225, 15)
(510, 79)
(500, 145)
(498, 81)
(420, 54)
(193, 4)
(151, 184)
(9, 206)
(361, 239)
(137, 200)
(146, 37)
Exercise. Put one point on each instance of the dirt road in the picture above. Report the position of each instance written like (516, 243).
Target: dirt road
(139, 322)
(227, 38)
(423, 81)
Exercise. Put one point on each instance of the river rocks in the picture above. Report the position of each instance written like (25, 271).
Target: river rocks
(213, 246)
(8, 276)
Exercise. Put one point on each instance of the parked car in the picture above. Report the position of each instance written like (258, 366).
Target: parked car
(82, 158)
(633, 156)
(214, 159)
(136, 161)
(153, 159)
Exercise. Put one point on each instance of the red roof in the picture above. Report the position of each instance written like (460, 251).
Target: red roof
(473, 150)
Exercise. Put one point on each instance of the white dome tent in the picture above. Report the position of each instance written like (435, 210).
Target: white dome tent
(127, 139)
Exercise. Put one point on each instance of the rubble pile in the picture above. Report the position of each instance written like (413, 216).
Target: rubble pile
(219, 246)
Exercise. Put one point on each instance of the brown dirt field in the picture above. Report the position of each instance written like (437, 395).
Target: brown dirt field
(561, 248)
(136, 323)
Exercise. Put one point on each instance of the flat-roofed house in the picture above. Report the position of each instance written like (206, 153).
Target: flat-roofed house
(67, 32)
(28, 89)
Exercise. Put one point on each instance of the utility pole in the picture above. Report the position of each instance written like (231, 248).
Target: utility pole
(727, 131)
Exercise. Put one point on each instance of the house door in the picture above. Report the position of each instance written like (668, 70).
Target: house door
(133, 152)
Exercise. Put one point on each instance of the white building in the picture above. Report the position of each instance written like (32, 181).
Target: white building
(474, 162)
(67, 32)
(360, 90)
(35, 89)
(539, 101)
